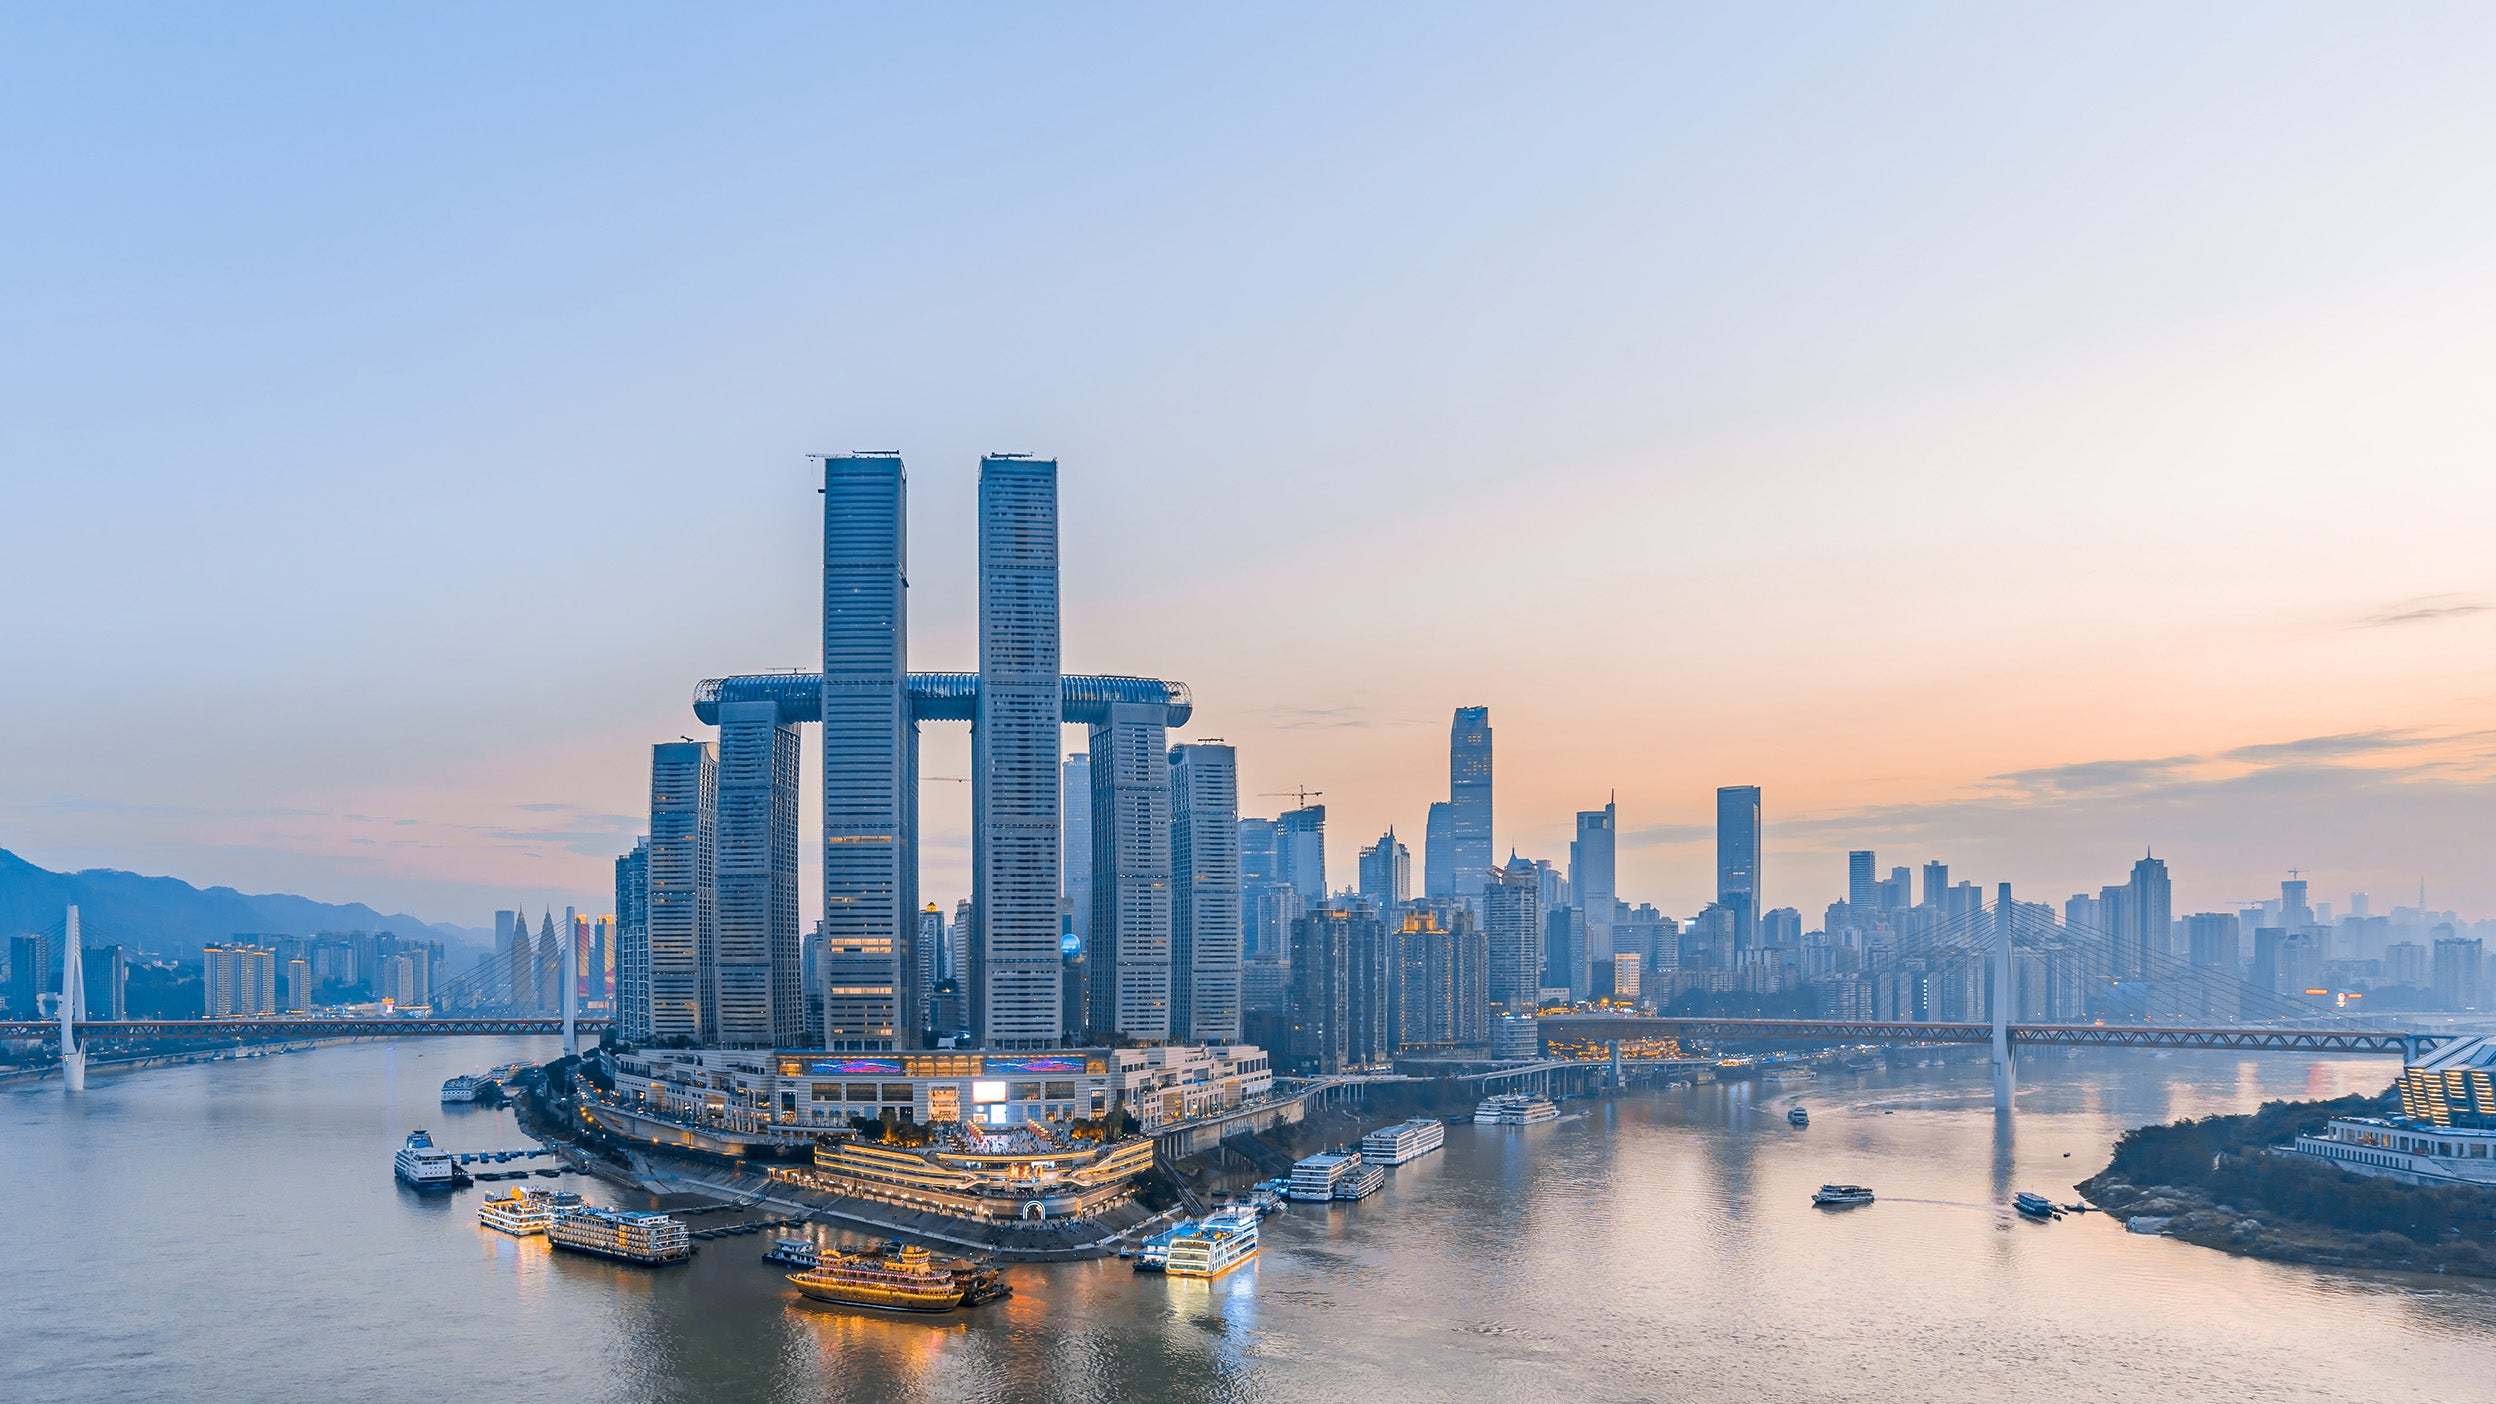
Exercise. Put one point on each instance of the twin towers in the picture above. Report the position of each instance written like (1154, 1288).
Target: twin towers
(729, 975)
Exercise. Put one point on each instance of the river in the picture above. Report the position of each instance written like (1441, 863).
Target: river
(231, 1231)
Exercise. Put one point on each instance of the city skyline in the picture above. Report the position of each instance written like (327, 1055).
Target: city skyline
(2201, 417)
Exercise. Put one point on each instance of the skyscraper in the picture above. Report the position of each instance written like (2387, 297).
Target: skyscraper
(1512, 919)
(683, 826)
(1206, 921)
(632, 942)
(1015, 972)
(1386, 875)
(1128, 965)
(1321, 987)
(870, 755)
(1075, 829)
(1300, 853)
(1737, 859)
(1438, 852)
(1469, 799)
(1591, 876)
(752, 977)
(2148, 910)
(1860, 882)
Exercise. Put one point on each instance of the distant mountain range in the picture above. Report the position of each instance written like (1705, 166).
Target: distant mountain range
(170, 917)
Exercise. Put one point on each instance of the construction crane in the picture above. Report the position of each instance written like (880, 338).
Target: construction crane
(1302, 794)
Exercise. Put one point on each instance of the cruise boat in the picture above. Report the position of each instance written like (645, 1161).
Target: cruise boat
(466, 1087)
(626, 1235)
(1318, 1176)
(907, 1279)
(1223, 1241)
(420, 1164)
(1841, 1196)
(1364, 1181)
(1515, 1109)
(1404, 1141)
(1799, 1117)
(524, 1212)
(1154, 1254)
(2035, 1206)
(792, 1252)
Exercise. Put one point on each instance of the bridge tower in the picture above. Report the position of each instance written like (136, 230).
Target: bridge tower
(73, 1004)
(2002, 995)
(571, 991)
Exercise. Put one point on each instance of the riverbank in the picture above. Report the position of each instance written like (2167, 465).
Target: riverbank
(2219, 1182)
(140, 1062)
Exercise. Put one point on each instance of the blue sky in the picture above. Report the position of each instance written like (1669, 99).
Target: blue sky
(400, 409)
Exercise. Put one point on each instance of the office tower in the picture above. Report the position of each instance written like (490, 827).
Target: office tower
(1897, 894)
(2148, 910)
(105, 981)
(1074, 1006)
(1565, 958)
(1781, 929)
(870, 757)
(2114, 907)
(1015, 971)
(1074, 819)
(2293, 908)
(2459, 971)
(632, 942)
(1469, 799)
(1438, 852)
(1386, 874)
(30, 975)
(2358, 904)
(1591, 856)
(1128, 965)
(1372, 1009)
(1256, 852)
(238, 981)
(930, 961)
(1737, 860)
(2080, 914)
(683, 826)
(2211, 940)
(1319, 1006)
(751, 981)
(1512, 918)
(1300, 853)
(1936, 884)
(2269, 971)
(958, 945)
(2405, 963)
(1860, 881)
(1655, 937)
(1207, 919)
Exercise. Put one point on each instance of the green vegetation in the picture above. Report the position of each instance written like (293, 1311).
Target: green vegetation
(163, 992)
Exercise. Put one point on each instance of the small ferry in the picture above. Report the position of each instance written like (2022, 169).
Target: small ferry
(792, 1252)
(420, 1164)
(1153, 1255)
(1319, 1177)
(907, 1279)
(1798, 1117)
(2035, 1206)
(626, 1235)
(466, 1087)
(1841, 1196)
(1404, 1141)
(1515, 1109)
(1226, 1238)
(1364, 1181)
(526, 1212)
(981, 1282)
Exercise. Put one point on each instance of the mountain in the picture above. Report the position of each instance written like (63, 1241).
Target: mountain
(170, 917)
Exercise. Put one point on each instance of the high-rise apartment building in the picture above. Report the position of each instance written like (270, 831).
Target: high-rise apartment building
(238, 982)
(1300, 853)
(1443, 996)
(1737, 860)
(1015, 972)
(1386, 874)
(2459, 971)
(1207, 920)
(1128, 966)
(1860, 882)
(752, 977)
(1319, 1006)
(1438, 852)
(684, 787)
(870, 757)
(1936, 884)
(632, 942)
(1512, 919)
(1469, 799)
(1372, 997)
(1591, 885)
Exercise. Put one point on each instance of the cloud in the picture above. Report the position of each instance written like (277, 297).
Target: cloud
(1284, 717)
(2424, 610)
(1665, 835)
(2350, 743)
(2098, 777)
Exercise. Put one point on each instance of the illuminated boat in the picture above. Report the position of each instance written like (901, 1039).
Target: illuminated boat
(525, 1212)
(1226, 1238)
(420, 1164)
(626, 1235)
(906, 1280)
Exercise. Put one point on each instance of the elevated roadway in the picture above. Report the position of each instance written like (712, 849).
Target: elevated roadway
(1604, 1028)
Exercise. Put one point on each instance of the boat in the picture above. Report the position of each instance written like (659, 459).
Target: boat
(2035, 1206)
(905, 1279)
(1154, 1254)
(1515, 1109)
(466, 1087)
(1402, 1142)
(1364, 1181)
(526, 1212)
(420, 1164)
(1841, 1196)
(792, 1252)
(626, 1235)
(1223, 1241)
(1322, 1176)
(981, 1282)
(1799, 1117)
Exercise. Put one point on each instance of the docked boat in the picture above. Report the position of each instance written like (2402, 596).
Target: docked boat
(1515, 1109)
(2035, 1206)
(626, 1235)
(1226, 1238)
(981, 1282)
(526, 1212)
(466, 1087)
(1841, 1196)
(907, 1279)
(1322, 1176)
(420, 1164)
(1364, 1181)
(1798, 1117)
(1404, 1141)
(792, 1252)
(1153, 1255)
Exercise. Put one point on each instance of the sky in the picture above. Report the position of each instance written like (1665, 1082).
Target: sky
(2018, 437)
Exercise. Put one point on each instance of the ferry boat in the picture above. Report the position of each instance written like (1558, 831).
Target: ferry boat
(1153, 1255)
(1798, 1117)
(524, 1212)
(1404, 1141)
(626, 1235)
(792, 1252)
(1223, 1241)
(981, 1282)
(1364, 1181)
(1317, 1177)
(1515, 1109)
(1841, 1196)
(907, 1279)
(420, 1164)
(2035, 1206)
(466, 1087)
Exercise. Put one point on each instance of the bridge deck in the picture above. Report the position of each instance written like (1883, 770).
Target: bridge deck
(297, 1028)
(1603, 1027)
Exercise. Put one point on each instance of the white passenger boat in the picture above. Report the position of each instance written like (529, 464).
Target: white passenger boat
(1227, 1238)
(1515, 1109)
(1404, 1141)
(1841, 1196)
(524, 1212)
(464, 1088)
(420, 1164)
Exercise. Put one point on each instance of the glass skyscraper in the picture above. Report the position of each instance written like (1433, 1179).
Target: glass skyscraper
(870, 795)
(1469, 799)
(1206, 922)
(1016, 973)
(1737, 860)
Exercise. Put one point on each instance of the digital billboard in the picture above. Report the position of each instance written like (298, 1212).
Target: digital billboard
(1053, 1065)
(844, 1067)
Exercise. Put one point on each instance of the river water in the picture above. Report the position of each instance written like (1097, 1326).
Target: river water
(231, 1231)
